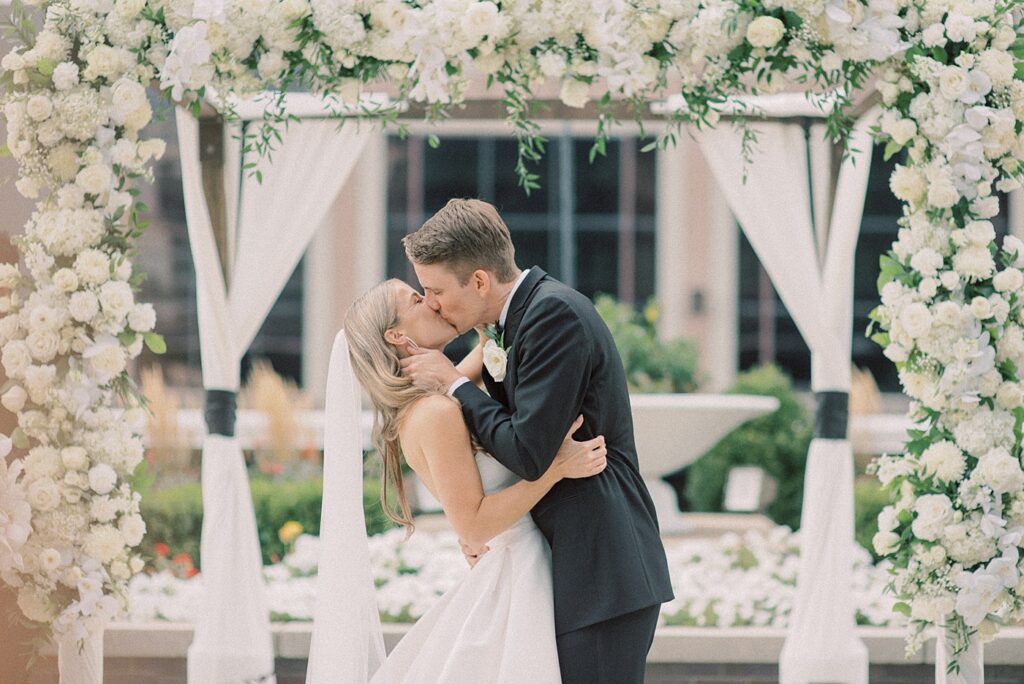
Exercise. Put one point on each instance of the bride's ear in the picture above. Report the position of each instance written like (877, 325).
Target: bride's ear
(394, 336)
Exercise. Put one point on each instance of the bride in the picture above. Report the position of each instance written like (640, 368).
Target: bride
(498, 624)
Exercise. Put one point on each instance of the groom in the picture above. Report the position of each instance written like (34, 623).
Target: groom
(609, 569)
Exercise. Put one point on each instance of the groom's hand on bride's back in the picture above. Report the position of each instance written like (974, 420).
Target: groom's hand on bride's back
(429, 369)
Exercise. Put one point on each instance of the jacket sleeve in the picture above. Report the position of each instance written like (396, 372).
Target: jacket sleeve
(552, 375)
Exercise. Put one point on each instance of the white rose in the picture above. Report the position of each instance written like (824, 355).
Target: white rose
(1009, 396)
(552, 64)
(119, 570)
(44, 495)
(942, 195)
(39, 107)
(495, 360)
(933, 513)
(38, 380)
(102, 509)
(489, 63)
(16, 358)
(133, 529)
(928, 287)
(74, 458)
(934, 35)
(765, 32)
(137, 119)
(885, 543)
(43, 345)
(1014, 245)
(985, 207)
(902, 131)
(116, 298)
(999, 470)
(575, 93)
(129, 9)
(980, 232)
(107, 362)
(480, 20)
(887, 519)
(65, 280)
(49, 560)
(137, 565)
(12, 61)
(974, 262)
(953, 82)
(916, 319)
(950, 280)
(102, 478)
(981, 308)
(95, 179)
(14, 399)
(1009, 280)
(142, 318)
(83, 306)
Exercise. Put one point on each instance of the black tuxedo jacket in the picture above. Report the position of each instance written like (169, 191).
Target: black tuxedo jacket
(606, 552)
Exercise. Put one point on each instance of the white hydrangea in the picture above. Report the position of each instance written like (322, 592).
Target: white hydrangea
(944, 460)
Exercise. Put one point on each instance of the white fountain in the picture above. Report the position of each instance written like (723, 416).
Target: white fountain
(674, 430)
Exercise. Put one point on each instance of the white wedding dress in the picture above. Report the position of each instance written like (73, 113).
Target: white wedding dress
(498, 624)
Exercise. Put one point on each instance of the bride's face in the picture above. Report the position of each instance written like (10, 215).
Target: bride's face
(418, 322)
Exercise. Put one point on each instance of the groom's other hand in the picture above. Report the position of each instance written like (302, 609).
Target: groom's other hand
(430, 369)
(473, 553)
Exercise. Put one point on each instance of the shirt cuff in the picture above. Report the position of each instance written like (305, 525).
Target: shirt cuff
(456, 385)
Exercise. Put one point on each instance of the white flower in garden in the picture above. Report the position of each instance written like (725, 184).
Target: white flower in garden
(102, 478)
(916, 319)
(15, 358)
(575, 93)
(981, 308)
(49, 560)
(105, 62)
(65, 232)
(967, 544)
(42, 345)
(944, 460)
(1009, 396)
(74, 458)
(908, 184)
(65, 280)
(38, 380)
(1000, 471)
(63, 162)
(482, 19)
(95, 179)
(977, 593)
(14, 399)
(43, 495)
(974, 263)
(102, 509)
(70, 197)
(39, 107)
(984, 430)
(887, 519)
(953, 82)
(132, 528)
(927, 261)
(92, 267)
(933, 513)
(985, 207)
(127, 97)
(65, 76)
(142, 317)
(104, 543)
(80, 113)
(980, 232)
(932, 608)
(137, 565)
(105, 358)
(152, 148)
(83, 306)
(1009, 280)
(116, 298)
(765, 31)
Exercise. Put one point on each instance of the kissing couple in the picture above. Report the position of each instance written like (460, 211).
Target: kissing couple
(528, 445)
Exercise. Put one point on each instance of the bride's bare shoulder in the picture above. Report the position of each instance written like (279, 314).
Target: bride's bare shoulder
(430, 413)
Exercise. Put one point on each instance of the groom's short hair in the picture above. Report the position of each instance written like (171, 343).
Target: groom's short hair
(465, 235)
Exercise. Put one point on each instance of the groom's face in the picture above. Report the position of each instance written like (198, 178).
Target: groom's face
(463, 306)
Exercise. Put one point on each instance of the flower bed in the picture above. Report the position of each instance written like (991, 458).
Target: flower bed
(727, 582)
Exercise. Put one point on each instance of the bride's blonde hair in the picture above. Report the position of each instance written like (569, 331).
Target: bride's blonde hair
(377, 367)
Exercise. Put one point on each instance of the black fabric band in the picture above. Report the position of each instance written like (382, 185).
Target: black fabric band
(220, 412)
(832, 415)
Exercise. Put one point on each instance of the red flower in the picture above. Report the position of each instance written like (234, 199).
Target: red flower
(182, 559)
(161, 550)
(191, 572)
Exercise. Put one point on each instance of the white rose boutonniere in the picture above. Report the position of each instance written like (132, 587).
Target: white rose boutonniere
(495, 354)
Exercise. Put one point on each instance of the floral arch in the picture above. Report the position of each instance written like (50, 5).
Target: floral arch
(74, 95)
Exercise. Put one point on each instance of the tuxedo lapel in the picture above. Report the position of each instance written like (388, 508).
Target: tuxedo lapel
(520, 301)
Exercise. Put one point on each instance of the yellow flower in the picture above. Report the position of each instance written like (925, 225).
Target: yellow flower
(652, 313)
(289, 532)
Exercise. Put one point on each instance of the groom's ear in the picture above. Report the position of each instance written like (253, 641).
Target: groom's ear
(481, 280)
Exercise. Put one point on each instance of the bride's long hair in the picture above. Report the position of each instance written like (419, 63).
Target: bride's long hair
(377, 367)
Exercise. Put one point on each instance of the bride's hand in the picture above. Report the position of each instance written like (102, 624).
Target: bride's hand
(580, 459)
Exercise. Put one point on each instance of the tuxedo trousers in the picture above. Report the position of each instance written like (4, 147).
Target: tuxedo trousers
(610, 652)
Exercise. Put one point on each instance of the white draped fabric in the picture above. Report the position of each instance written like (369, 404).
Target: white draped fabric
(774, 208)
(276, 221)
(81, 662)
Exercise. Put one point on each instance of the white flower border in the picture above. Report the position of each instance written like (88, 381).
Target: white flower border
(74, 97)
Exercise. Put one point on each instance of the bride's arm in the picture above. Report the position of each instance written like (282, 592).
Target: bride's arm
(472, 366)
(437, 446)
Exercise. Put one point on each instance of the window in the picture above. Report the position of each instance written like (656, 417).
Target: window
(591, 226)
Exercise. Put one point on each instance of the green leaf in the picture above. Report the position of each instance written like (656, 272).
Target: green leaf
(127, 337)
(881, 339)
(939, 55)
(155, 342)
(905, 517)
(901, 608)
(5, 151)
(19, 438)
(891, 148)
(46, 66)
(433, 141)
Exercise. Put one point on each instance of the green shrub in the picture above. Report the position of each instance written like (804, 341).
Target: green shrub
(776, 442)
(652, 365)
(174, 516)
(868, 501)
